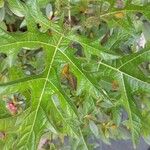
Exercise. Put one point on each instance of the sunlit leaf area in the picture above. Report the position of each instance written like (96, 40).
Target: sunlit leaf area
(74, 72)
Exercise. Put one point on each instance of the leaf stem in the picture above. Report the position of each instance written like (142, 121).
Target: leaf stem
(69, 13)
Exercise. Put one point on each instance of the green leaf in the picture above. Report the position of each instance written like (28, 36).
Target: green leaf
(2, 14)
(94, 128)
(71, 84)
(1, 3)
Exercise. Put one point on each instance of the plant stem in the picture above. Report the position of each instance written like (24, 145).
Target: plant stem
(69, 13)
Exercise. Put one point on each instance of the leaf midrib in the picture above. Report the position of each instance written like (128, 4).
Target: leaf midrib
(133, 59)
(124, 73)
(129, 109)
(43, 90)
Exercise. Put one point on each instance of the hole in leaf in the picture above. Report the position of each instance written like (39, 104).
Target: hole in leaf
(105, 38)
(138, 15)
(145, 68)
(120, 4)
(48, 141)
(142, 99)
(23, 29)
(3, 69)
(31, 60)
(2, 56)
(24, 1)
(56, 100)
(126, 48)
(11, 27)
(19, 24)
(124, 115)
(13, 21)
(112, 88)
(44, 143)
(4, 75)
(15, 103)
(79, 49)
(2, 135)
(44, 29)
(74, 21)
